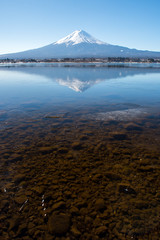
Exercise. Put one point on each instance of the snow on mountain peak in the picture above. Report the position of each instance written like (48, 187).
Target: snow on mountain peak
(78, 36)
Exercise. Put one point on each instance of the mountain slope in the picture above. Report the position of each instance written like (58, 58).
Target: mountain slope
(80, 44)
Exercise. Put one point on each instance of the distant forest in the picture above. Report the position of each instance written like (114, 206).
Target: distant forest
(85, 60)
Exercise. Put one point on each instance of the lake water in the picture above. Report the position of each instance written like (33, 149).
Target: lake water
(79, 146)
(25, 88)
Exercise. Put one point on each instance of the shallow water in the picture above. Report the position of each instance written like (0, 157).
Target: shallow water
(80, 147)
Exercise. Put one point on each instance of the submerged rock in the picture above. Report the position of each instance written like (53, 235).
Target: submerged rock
(3, 204)
(101, 231)
(58, 205)
(20, 199)
(59, 224)
(118, 135)
(146, 168)
(14, 223)
(100, 204)
(77, 146)
(19, 178)
(75, 231)
(112, 176)
(133, 127)
(45, 150)
(62, 150)
(38, 189)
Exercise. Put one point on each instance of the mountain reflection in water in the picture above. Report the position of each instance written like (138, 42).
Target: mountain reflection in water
(80, 78)
(92, 86)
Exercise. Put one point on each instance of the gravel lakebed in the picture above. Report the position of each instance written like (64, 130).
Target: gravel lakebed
(72, 178)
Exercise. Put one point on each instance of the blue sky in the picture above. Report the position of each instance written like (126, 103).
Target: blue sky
(27, 24)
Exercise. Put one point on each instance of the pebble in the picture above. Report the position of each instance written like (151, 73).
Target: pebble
(101, 231)
(59, 205)
(100, 204)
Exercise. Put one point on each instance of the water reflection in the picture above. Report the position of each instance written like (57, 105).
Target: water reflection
(78, 85)
(77, 78)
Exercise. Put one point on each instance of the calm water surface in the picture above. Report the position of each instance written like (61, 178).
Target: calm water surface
(77, 87)
(79, 151)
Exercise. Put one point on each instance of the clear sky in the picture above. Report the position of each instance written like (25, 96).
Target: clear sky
(27, 24)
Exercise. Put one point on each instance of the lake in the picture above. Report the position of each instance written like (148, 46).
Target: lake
(79, 147)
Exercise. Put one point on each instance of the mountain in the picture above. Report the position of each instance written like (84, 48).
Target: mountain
(80, 44)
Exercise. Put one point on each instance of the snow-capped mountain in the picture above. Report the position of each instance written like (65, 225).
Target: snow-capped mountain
(80, 44)
(78, 37)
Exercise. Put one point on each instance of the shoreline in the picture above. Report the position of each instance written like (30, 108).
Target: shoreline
(83, 60)
(144, 65)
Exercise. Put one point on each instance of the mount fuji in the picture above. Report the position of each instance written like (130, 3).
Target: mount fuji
(80, 44)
